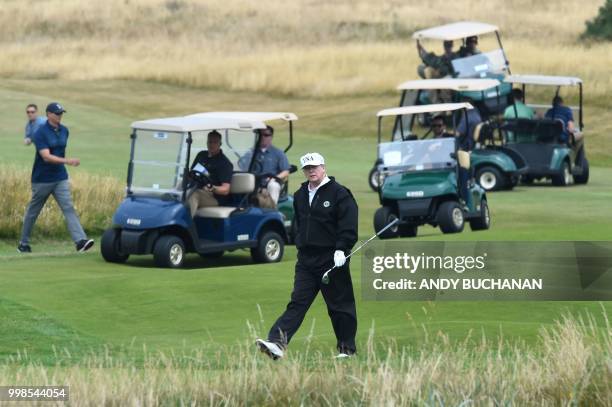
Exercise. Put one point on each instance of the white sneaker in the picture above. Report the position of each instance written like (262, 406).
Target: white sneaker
(270, 348)
(343, 356)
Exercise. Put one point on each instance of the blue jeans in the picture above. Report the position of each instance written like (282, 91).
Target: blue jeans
(61, 192)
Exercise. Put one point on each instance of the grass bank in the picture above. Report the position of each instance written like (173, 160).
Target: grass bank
(570, 365)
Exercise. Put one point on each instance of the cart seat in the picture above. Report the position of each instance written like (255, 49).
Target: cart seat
(242, 183)
(219, 212)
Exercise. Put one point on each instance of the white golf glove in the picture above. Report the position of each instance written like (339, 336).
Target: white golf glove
(339, 258)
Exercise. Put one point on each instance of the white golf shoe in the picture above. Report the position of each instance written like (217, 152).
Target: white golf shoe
(270, 348)
(344, 355)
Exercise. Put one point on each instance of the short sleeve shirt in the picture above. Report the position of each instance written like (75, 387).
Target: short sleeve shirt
(219, 167)
(563, 113)
(466, 130)
(54, 139)
(270, 161)
(560, 112)
(522, 111)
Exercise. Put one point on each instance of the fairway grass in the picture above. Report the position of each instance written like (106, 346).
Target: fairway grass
(137, 334)
(570, 366)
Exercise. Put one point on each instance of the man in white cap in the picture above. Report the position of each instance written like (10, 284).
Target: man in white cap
(326, 220)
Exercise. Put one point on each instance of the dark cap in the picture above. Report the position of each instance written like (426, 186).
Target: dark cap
(55, 107)
(448, 43)
(473, 38)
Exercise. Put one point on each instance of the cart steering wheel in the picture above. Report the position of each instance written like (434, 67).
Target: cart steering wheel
(198, 179)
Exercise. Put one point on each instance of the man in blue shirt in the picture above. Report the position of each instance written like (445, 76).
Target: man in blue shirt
(49, 177)
(271, 163)
(561, 112)
(33, 124)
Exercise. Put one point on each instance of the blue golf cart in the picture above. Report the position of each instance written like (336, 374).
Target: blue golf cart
(154, 217)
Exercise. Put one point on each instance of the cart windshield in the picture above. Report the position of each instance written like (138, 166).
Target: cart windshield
(418, 155)
(480, 65)
(157, 161)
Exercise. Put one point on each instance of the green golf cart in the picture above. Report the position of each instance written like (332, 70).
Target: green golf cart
(426, 179)
(495, 166)
(552, 149)
(492, 63)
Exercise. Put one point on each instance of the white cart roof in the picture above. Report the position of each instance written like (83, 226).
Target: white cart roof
(442, 107)
(195, 123)
(450, 83)
(257, 116)
(455, 31)
(545, 80)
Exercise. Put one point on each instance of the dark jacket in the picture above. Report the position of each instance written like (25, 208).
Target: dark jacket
(331, 221)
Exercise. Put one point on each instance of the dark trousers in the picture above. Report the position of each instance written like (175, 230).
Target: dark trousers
(338, 294)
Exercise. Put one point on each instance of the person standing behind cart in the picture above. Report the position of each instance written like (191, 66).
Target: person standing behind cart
(33, 124)
(465, 142)
(219, 170)
(49, 177)
(326, 220)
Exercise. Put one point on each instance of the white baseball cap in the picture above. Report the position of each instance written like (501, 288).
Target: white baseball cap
(312, 159)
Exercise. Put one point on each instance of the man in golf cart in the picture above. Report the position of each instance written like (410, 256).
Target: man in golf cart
(559, 111)
(438, 127)
(518, 109)
(270, 165)
(436, 66)
(217, 169)
(470, 48)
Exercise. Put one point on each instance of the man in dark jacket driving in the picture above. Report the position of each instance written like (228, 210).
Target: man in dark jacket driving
(326, 220)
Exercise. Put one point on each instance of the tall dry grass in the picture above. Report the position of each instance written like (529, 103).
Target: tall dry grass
(95, 199)
(301, 47)
(571, 365)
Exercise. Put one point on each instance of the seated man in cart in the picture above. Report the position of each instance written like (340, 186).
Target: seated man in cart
(218, 169)
(270, 165)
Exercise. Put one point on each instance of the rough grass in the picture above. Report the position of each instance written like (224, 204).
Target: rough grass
(95, 199)
(570, 365)
(297, 48)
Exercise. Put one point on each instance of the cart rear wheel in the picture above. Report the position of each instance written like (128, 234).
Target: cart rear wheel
(270, 248)
(110, 247)
(169, 251)
(584, 177)
(564, 178)
(490, 178)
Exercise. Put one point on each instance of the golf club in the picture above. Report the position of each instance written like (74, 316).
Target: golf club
(325, 278)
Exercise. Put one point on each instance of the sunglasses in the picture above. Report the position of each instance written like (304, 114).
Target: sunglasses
(437, 125)
(30, 111)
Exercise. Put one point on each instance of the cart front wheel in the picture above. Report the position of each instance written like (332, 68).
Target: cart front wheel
(169, 251)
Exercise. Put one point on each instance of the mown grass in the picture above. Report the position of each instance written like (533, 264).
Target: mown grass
(570, 365)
